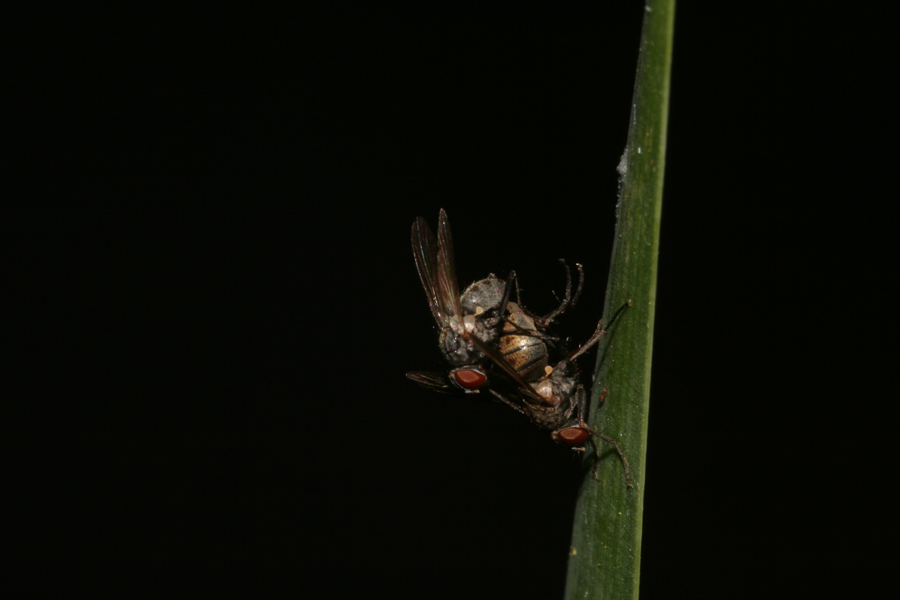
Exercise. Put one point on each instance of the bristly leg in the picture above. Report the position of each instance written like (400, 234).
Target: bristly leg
(567, 298)
(580, 404)
(508, 402)
(606, 438)
(598, 333)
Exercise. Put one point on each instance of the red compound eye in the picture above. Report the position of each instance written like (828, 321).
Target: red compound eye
(573, 436)
(469, 379)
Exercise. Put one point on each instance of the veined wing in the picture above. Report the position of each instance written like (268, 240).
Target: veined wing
(433, 381)
(526, 388)
(425, 253)
(448, 287)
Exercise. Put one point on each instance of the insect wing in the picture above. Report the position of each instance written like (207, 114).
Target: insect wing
(425, 253)
(433, 381)
(501, 362)
(448, 287)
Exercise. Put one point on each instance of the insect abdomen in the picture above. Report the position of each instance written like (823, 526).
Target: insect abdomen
(526, 353)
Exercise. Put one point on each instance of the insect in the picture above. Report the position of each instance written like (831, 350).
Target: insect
(525, 352)
(557, 401)
(481, 315)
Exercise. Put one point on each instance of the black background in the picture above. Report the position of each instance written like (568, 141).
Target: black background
(225, 302)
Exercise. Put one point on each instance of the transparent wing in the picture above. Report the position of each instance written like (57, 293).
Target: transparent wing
(433, 381)
(448, 288)
(501, 362)
(425, 253)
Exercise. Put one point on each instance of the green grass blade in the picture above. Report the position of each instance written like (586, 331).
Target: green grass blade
(605, 557)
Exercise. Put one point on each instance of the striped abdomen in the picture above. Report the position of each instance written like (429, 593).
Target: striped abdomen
(526, 353)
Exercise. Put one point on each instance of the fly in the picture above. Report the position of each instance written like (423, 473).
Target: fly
(556, 401)
(482, 315)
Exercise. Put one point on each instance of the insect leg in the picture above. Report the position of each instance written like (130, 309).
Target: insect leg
(510, 282)
(580, 285)
(608, 439)
(518, 294)
(599, 333)
(508, 402)
(580, 402)
(567, 298)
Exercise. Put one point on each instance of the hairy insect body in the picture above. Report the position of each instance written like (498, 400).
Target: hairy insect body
(558, 389)
(481, 304)
(481, 328)
(486, 294)
(559, 385)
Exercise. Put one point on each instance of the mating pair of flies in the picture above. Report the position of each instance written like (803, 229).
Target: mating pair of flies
(482, 328)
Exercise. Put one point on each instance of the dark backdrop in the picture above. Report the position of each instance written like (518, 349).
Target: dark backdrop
(221, 251)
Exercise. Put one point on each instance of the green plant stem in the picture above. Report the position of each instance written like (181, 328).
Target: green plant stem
(605, 555)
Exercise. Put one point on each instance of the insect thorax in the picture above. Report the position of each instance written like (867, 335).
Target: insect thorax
(457, 350)
(486, 294)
